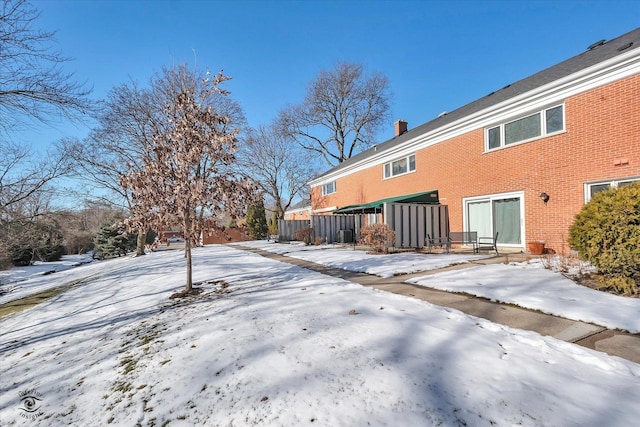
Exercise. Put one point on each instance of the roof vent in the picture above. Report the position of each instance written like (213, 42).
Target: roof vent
(444, 113)
(596, 44)
(625, 46)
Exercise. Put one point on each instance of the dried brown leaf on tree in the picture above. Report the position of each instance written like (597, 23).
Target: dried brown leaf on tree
(186, 178)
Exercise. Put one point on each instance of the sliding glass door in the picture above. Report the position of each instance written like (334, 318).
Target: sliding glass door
(479, 217)
(502, 214)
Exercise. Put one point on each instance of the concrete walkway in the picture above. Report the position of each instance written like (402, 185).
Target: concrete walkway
(612, 342)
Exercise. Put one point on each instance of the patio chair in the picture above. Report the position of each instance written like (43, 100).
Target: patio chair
(488, 243)
(430, 242)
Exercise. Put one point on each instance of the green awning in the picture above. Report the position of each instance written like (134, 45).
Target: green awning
(426, 197)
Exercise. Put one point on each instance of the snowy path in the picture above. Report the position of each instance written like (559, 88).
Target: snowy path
(272, 344)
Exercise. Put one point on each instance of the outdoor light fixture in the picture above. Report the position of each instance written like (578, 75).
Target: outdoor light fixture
(544, 197)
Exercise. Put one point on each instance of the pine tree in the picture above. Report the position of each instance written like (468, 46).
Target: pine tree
(112, 241)
(257, 220)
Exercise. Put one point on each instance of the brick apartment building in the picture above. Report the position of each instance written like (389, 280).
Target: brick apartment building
(299, 211)
(521, 161)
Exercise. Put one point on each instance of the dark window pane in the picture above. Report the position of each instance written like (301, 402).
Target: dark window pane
(520, 130)
(412, 163)
(506, 218)
(399, 166)
(626, 183)
(329, 188)
(494, 138)
(554, 118)
(598, 188)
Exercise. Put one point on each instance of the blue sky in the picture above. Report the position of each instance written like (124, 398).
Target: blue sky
(438, 55)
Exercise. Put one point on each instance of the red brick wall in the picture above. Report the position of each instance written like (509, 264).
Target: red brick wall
(602, 128)
(211, 237)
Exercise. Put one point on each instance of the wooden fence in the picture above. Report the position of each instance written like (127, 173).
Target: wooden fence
(411, 223)
(287, 228)
(337, 228)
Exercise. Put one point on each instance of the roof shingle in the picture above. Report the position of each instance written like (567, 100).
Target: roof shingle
(595, 55)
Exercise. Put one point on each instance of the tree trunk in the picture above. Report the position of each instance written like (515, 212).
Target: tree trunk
(142, 239)
(187, 253)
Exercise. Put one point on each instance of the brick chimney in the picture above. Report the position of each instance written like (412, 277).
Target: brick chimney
(401, 127)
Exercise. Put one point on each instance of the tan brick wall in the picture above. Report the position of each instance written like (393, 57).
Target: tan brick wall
(602, 128)
(297, 215)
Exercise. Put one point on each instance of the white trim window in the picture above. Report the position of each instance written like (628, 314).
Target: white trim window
(329, 188)
(595, 187)
(496, 213)
(533, 126)
(401, 166)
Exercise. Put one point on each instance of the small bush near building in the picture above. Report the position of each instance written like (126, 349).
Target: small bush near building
(606, 233)
(379, 236)
(305, 235)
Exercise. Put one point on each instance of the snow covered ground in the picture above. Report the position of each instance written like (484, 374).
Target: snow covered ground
(355, 260)
(527, 284)
(17, 274)
(268, 343)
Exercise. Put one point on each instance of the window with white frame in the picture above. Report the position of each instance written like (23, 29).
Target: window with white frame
(329, 188)
(400, 166)
(496, 213)
(596, 187)
(536, 125)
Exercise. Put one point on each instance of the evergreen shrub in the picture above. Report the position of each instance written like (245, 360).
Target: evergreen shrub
(606, 233)
(257, 220)
(112, 241)
(272, 225)
(39, 241)
(151, 236)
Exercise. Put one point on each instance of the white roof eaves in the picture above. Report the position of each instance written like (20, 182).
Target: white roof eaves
(607, 71)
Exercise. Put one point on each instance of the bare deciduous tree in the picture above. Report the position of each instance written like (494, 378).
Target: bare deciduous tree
(186, 177)
(128, 122)
(22, 178)
(279, 166)
(79, 226)
(25, 194)
(34, 86)
(28, 229)
(341, 113)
